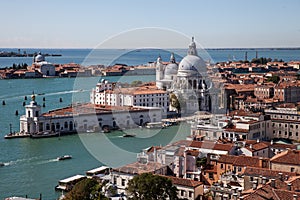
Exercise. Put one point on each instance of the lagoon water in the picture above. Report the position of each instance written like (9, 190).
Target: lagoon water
(31, 167)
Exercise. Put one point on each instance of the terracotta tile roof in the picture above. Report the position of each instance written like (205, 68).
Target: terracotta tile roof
(295, 181)
(151, 149)
(211, 145)
(289, 157)
(228, 159)
(257, 147)
(184, 182)
(244, 113)
(242, 161)
(237, 130)
(283, 146)
(89, 108)
(268, 173)
(194, 153)
(267, 192)
(139, 168)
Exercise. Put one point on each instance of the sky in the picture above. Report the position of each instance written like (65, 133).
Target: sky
(86, 24)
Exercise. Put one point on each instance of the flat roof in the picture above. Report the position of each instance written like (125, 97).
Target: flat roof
(98, 169)
(72, 178)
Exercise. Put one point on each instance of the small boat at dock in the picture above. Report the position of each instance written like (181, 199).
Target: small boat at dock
(154, 125)
(16, 135)
(65, 157)
(44, 135)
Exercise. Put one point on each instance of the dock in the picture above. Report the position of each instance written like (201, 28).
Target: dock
(16, 135)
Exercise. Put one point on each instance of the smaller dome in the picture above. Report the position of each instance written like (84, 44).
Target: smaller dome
(171, 69)
(39, 58)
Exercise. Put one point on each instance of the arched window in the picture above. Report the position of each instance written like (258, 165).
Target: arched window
(57, 126)
(47, 127)
(70, 125)
(66, 124)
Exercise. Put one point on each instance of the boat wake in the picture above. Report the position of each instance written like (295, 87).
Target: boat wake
(47, 161)
(64, 92)
(9, 97)
(20, 161)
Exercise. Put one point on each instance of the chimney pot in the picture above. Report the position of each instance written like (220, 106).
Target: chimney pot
(289, 185)
(295, 197)
(273, 183)
(254, 185)
(235, 196)
(280, 176)
(264, 180)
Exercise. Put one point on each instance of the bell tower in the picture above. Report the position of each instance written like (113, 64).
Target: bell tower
(32, 112)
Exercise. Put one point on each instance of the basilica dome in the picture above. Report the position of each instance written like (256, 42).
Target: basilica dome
(192, 63)
(39, 58)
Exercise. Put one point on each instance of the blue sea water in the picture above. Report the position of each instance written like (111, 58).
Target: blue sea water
(143, 56)
(31, 167)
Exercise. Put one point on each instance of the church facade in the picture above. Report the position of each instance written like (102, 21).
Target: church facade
(186, 80)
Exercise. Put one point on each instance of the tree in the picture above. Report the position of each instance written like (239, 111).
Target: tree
(86, 189)
(151, 187)
(201, 162)
(274, 79)
(136, 83)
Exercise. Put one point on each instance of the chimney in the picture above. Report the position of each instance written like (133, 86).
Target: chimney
(280, 176)
(289, 185)
(251, 146)
(264, 180)
(225, 197)
(295, 197)
(273, 183)
(286, 177)
(234, 190)
(271, 142)
(254, 184)
(257, 141)
(241, 198)
(235, 196)
(240, 192)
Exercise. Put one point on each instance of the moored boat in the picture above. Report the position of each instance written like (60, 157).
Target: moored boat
(2, 164)
(45, 135)
(154, 125)
(16, 135)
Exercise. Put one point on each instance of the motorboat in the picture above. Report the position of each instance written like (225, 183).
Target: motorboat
(65, 157)
(2, 164)
(128, 135)
(44, 135)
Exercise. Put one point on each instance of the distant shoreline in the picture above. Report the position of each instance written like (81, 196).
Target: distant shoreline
(221, 48)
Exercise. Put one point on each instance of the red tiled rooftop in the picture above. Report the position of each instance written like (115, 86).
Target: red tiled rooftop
(211, 145)
(184, 182)
(289, 157)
